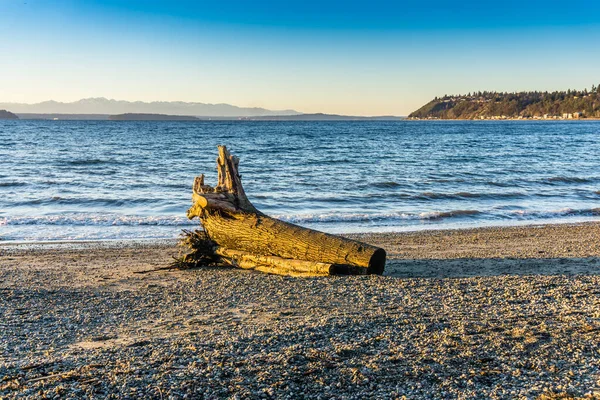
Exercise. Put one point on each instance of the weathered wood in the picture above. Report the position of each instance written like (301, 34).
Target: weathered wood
(233, 223)
(274, 264)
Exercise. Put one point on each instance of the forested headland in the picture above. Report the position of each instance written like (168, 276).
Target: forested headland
(570, 104)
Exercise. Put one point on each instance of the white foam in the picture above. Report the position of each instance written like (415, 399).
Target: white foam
(342, 217)
(562, 212)
(96, 220)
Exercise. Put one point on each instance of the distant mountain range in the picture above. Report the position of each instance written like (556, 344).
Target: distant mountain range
(103, 106)
(100, 108)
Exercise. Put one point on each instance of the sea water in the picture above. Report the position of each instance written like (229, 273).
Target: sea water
(69, 180)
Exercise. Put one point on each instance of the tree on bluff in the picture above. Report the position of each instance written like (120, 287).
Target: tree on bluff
(526, 104)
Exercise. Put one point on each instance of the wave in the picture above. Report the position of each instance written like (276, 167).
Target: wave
(448, 180)
(338, 217)
(563, 212)
(131, 220)
(73, 201)
(97, 226)
(448, 214)
(463, 195)
(334, 217)
(12, 184)
(568, 179)
(93, 161)
(383, 185)
(97, 220)
(501, 184)
(403, 217)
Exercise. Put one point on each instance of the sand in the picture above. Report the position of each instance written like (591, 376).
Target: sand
(490, 313)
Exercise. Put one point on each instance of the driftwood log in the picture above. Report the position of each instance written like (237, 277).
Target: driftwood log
(246, 238)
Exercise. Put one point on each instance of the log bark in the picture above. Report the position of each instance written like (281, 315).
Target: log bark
(273, 264)
(246, 237)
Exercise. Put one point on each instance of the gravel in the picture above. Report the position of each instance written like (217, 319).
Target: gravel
(78, 322)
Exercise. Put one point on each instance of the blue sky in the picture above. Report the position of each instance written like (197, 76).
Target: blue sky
(362, 58)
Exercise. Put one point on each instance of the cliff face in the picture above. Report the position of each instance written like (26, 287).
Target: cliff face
(7, 115)
(572, 104)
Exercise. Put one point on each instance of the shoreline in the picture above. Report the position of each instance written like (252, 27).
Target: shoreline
(546, 249)
(476, 313)
(410, 230)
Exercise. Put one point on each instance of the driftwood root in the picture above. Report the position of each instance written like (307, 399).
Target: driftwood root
(236, 233)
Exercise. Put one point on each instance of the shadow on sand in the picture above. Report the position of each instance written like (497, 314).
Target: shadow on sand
(469, 267)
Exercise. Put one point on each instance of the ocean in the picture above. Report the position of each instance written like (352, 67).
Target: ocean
(82, 180)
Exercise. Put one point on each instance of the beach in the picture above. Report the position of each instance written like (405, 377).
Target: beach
(510, 312)
(299, 200)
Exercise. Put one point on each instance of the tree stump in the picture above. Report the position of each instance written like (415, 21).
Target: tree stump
(246, 238)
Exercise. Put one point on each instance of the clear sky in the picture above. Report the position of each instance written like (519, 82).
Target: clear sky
(362, 58)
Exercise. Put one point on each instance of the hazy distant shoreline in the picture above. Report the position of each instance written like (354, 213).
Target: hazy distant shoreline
(300, 117)
(169, 117)
(103, 106)
(100, 108)
(150, 117)
(7, 115)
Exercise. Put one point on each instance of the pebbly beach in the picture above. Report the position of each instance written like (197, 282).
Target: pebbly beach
(511, 312)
